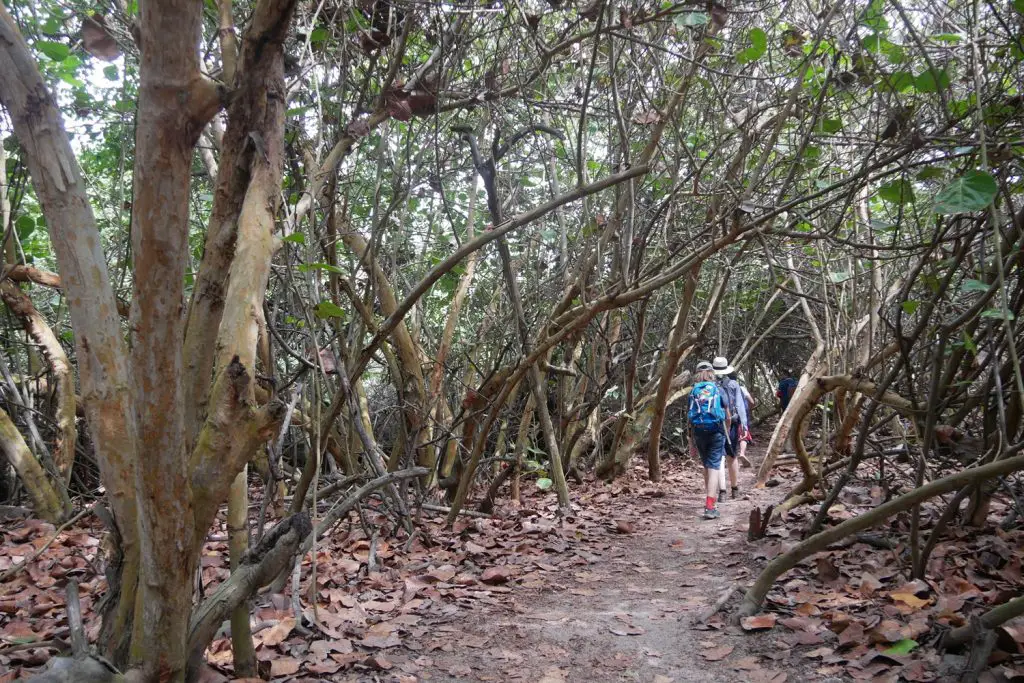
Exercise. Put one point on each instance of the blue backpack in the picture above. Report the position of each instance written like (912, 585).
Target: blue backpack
(706, 411)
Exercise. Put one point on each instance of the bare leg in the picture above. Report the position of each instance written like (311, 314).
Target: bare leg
(743, 454)
(734, 471)
(711, 479)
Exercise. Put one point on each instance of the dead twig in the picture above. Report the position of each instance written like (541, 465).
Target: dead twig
(703, 617)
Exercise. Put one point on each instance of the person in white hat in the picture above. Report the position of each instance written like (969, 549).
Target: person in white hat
(736, 408)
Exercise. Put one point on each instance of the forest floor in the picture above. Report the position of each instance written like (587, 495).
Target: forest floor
(613, 591)
(626, 606)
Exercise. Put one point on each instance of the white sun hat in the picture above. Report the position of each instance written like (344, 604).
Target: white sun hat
(721, 366)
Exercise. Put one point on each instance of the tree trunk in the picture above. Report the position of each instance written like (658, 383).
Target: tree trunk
(244, 655)
(60, 368)
(45, 500)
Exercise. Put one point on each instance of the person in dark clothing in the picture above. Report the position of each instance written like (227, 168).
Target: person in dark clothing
(787, 387)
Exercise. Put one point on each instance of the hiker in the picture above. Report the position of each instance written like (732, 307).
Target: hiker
(707, 431)
(745, 436)
(736, 409)
(787, 387)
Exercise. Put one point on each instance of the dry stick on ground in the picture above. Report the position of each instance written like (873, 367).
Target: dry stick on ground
(719, 604)
(782, 564)
(56, 534)
(79, 644)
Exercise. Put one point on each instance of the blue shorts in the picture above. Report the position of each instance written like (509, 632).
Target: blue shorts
(710, 445)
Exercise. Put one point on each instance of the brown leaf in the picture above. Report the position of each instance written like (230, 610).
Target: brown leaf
(624, 527)
(717, 654)
(284, 666)
(444, 573)
(758, 622)
(909, 599)
(96, 38)
(280, 631)
(497, 575)
(380, 641)
(827, 570)
(378, 662)
(852, 635)
(869, 584)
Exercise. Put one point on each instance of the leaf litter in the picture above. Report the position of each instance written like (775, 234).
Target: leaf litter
(613, 588)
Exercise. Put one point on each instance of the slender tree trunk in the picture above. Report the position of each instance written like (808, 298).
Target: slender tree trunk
(46, 502)
(61, 371)
(238, 539)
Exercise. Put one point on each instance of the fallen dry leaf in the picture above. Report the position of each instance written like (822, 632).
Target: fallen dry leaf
(717, 654)
(279, 632)
(628, 630)
(284, 666)
(758, 622)
(910, 600)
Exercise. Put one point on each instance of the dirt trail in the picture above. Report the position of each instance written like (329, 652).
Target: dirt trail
(623, 609)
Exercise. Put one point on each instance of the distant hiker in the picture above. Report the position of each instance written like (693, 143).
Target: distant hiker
(736, 408)
(707, 431)
(787, 387)
(745, 436)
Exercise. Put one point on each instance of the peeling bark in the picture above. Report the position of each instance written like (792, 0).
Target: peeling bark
(63, 376)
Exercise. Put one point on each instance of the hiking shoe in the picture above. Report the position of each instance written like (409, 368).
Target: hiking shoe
(721, 495)
(711, 513)
(735, 492)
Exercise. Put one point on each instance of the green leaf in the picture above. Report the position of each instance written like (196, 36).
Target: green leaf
(691, 19)
(296, 238)
(901, 81)
(947, 37)
(973, 286)
(969, 343)
(25, 225)
(931, 173)
(327, 309)
(897, 192)
(71, 80)
(544, 483)
(758, 45)
(319, 35)
(998, 314)
(840, 276)
(902, 647)
(932, 81)
(910, 306)
(971, 192)
(58, 52)
(874, 16)
(1018, 5)
(830, 125)
(110, 72)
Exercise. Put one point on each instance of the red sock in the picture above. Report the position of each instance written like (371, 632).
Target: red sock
(709, 504)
